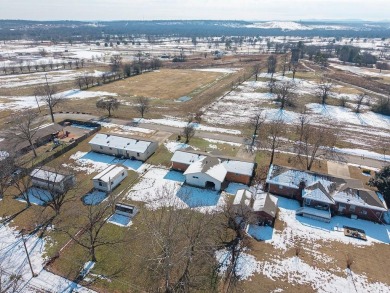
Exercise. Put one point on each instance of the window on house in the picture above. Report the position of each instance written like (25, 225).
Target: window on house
(352, 208)
(280, 187)
(363, 212)
(110, 148)
(137, 154)
(100, 184)
(101, 147)
(342, 205)
(196, 177)
(123, 173)
(112, 183)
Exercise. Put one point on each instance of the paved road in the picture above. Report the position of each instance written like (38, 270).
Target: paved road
(352, 159)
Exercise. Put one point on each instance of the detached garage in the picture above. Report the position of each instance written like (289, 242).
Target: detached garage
(208, 172)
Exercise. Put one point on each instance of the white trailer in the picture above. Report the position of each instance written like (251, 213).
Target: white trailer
(109, 178)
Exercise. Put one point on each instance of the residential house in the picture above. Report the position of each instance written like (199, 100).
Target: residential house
(52, 180)
(323, 196)
(210, 171)
(120, 146)
(109, 178)
(262, 205)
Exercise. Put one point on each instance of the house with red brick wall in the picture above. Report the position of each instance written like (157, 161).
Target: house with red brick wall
(224, 169)
(322, 195)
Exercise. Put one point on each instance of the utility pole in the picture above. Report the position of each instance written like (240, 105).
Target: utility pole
(28, 256)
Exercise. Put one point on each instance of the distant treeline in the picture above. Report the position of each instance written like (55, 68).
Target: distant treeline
(77, 30)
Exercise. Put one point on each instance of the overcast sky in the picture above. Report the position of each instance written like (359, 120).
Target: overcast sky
(194, 9)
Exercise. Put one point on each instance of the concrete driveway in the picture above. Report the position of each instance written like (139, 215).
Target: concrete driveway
(338, 169)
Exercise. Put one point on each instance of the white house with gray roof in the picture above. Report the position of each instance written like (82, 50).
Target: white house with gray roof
(120, 146)
(109, 178)
(207, 170)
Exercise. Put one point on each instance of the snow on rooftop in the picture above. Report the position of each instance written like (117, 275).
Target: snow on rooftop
(109, 173)
(292, 178)
(122, 143)
(47, 175)
(210, 166)
(232, 166)
(317, 194)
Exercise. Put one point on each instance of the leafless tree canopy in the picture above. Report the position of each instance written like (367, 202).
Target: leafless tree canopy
(359, 101)
(109, 104)
(143, 105)
(275, 132)
(285, 93)
(312, 139)
(179, 255)
(323, 89)
(271, 65)
(256, 123)
(189, 130)
(49, 96)
(91, 236)
(24, 129)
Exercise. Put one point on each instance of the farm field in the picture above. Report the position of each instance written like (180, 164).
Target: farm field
(217, 96)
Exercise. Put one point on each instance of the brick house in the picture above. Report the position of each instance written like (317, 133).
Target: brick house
(323, 196)
(224, 169)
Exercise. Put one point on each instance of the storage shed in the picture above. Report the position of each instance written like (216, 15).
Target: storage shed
(109, 178)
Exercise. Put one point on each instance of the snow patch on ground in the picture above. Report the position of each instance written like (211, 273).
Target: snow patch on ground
(173, 146)
(316, 231)
(222, 142)
(219, 70)
(295, 271)
(125, 128)
(149, 188)
(181, 124)
(13, 260)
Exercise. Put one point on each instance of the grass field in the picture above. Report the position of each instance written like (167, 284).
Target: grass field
(163, 84)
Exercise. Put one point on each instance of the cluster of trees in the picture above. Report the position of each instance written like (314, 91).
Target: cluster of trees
(313, 141)
(28, 66)
(354, 55)
(118, 70)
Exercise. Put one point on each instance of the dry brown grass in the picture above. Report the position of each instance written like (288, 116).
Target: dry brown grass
(164, 84)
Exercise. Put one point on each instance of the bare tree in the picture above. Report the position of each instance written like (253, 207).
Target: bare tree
(294, 67)
(109, 104)
(88, 79)
(359, 101)
(10, 282)
(257, 70)
(271, 65)
(179, 256)
(93, 222)
(28, 65)
(22, 183)
(343, 101)
(22, 129)
(275, 131)
(323, 89)
(49, 96)
(80, 82)
(7, 166)
(189, 130)
(116, 62)
(60, 193)
(234, 220)
(313, 140)
(256, 123)
(143, 105)
(285, 93)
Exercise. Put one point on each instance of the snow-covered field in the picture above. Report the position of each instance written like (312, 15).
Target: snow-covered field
(161, 187)
(23, 102)
(315, 234)
(13, 260)
(94, 162)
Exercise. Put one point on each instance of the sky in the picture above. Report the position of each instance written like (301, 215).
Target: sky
(373, 10)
